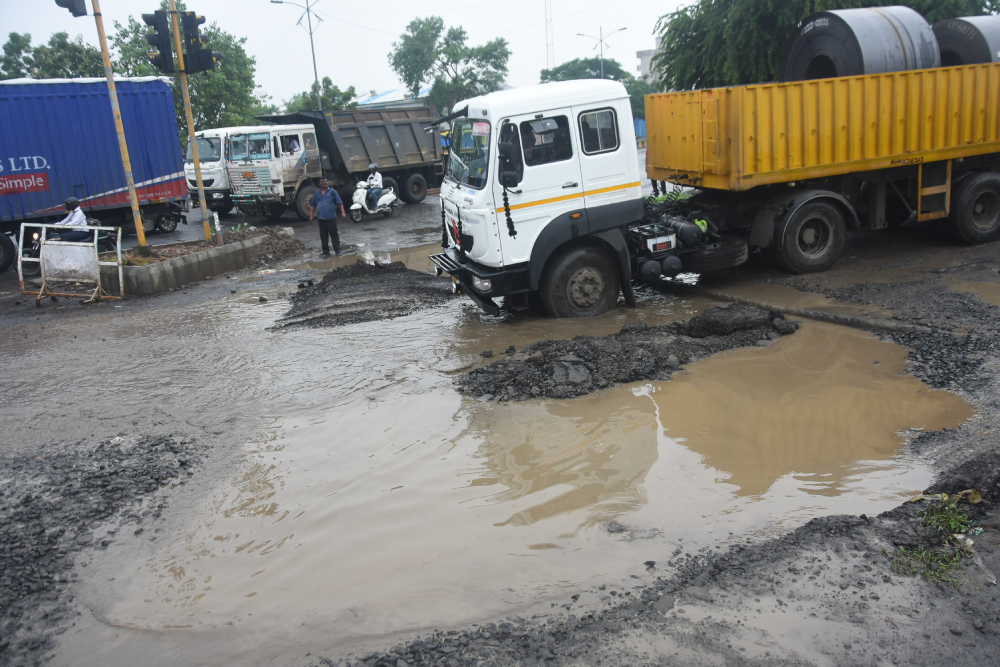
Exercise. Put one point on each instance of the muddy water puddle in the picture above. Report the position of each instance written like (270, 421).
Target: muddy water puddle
(789, 297)
(377, 502)
(416, 258)
(988, 292)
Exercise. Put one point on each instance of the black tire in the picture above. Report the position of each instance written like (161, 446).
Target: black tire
(356, 215)
(389, 183)
(30, 269)
(302, 200)
(225, 209)
(731, 251)
(387, 213)
(166, 223)
(8, 252)
(975, 210)
(811, 239)
(414, 188)
(580, 282)
(275, 211)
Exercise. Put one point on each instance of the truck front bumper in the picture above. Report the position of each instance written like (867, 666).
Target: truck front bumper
(474, 278)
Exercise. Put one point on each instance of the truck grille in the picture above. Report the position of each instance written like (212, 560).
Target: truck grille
(208, 182)
(249, 180)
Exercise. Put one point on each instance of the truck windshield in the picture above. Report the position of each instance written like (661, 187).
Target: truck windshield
(209, 150)
(469, 159)
(255, 146)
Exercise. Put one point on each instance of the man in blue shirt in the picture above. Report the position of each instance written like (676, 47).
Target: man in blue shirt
(325, 203)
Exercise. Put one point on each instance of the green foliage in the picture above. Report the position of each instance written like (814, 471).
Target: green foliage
(590, 68)
(332, 96)
(947, 517)
(939, 565)
(714, 43)
(61, 58)
(426, 52)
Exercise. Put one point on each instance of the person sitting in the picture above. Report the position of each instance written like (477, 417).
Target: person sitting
(76, 218)
(374, 186)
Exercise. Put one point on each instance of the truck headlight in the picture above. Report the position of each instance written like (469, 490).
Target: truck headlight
(482, 284)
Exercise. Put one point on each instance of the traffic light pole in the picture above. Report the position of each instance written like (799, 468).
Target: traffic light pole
(122, 146)
(192, 140)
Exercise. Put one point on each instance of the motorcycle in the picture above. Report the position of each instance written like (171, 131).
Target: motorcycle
(106, 242)
(385, 204)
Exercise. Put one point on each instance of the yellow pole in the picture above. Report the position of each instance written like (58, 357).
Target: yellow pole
(136, 216)
(178, 44)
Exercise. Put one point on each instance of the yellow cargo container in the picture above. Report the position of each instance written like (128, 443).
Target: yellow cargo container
(741, 137)
(918, 141)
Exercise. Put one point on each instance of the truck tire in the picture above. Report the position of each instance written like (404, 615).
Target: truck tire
(389, 183)
(8, 251)
(166, 223)
(811, 239)
(414, 189)
(302, 200)
(732, 251)
(975, 210)
(580, 282)
(275, 211)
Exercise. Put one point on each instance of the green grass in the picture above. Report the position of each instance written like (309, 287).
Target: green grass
(921, 562)
(947, 517)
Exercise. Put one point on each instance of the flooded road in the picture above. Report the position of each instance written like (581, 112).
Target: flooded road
(373, 501)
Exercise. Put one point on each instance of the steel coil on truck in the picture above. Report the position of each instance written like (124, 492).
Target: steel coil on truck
(969, 40)
(852, 42)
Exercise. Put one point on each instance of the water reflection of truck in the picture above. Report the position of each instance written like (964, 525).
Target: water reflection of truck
(274, 167)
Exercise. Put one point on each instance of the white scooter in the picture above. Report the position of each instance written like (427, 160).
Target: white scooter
(360, 206)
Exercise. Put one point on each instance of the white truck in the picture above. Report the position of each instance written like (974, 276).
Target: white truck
(542, 195)
(213, 169)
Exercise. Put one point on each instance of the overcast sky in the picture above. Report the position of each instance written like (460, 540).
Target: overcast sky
(354, 39)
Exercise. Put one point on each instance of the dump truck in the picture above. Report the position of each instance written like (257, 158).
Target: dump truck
(794, 166)
(268, 171)
(59, 141)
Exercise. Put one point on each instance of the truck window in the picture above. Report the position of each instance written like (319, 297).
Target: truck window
(545, 140)
(290, 144)
(599, 131)
(238, 147)
(209, 150)
(259, 146)
(468, 161)
(310, 141)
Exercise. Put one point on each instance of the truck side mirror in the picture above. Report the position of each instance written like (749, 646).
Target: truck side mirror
(509, 179)
(508, 164)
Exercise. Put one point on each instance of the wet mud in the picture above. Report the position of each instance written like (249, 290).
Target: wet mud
(363, 292)
(570, 368)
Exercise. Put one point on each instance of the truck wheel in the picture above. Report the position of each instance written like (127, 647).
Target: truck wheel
(975, 213)
(415, 188)
(812, 239)
(356, 215)
(302, 200)
(732, 251)
(8, 251)
(581, 282)
(275, 211)
(390, 183)
(166, 223)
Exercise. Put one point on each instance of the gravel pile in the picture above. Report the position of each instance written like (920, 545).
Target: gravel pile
(948, 361)
(585, 364)
(364, 292)
(50, 508)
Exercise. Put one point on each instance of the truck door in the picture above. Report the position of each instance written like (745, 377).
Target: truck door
(551, 187)
(609, 178)
(293, 158)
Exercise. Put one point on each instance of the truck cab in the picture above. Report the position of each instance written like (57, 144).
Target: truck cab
(272, 167)
(213, 169)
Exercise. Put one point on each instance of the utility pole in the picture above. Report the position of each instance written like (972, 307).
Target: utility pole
(308, 15)
(113, 93)
(550, 46)
(600, 43)
(192, 140)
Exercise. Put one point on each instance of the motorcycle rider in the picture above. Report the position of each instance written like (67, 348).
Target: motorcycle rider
(374, 186)
(75, 218)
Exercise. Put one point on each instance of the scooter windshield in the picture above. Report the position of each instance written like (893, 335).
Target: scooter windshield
(469, 159)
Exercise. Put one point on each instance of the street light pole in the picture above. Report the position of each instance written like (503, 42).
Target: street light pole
(600, 42)
(309, 13)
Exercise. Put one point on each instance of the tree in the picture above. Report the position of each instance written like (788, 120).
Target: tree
(590, 68)
(332, 97)
(61, 58)
(426, 52)
(225, 96)
(729, 42)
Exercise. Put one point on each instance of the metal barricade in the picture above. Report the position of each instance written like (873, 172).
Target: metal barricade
(69, 261)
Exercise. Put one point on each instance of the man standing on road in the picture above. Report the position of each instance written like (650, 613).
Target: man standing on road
(325, 203)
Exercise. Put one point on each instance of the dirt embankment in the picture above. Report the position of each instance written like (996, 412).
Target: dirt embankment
(585, 364)
(363, 292)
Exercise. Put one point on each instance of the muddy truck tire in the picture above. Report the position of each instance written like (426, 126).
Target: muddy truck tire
(414, 189)
(731, 251)
(975, 210)
(8, 251)
(302, 200)
(580, 282)
(811, 239)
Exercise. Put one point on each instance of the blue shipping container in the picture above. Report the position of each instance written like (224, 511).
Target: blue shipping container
(58, 140)
(640, 127)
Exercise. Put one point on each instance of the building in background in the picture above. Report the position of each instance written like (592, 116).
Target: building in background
(646, 60)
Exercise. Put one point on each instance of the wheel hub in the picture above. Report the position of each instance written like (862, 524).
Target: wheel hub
(586, 287)
(985, 211)
(815, 237)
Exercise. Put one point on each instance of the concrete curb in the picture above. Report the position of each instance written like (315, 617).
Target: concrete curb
(857, 321)
(172, 273)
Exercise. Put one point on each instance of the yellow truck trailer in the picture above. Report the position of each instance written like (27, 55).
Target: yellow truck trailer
(797, 164)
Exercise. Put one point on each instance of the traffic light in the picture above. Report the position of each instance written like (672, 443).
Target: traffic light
(75, 7)
(197, 58)
(163, 57)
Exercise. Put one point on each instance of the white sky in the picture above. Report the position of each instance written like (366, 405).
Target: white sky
(354, 39)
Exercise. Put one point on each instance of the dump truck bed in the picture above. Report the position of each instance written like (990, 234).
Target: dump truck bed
(745, 136)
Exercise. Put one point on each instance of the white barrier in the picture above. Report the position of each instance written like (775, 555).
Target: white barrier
(69, 261)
